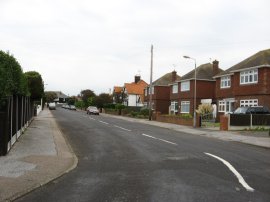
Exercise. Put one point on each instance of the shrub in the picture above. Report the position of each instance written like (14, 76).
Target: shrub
(35, 84)
(109, 106)
(134, 114)
(144, 111)
(119, 106)
(205, 109)
(12, 79)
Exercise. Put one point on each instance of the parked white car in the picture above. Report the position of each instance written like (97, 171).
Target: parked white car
(52, 105)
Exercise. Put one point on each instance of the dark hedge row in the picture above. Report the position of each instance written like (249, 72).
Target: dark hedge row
(14, 82)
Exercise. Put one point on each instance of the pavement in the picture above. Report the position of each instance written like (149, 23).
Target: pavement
(42, 153)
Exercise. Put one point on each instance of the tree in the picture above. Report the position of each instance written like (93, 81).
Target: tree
(50, 96)
(71, 100)
(35, 84)
(12, 79)
(103, 99)
(86, 94)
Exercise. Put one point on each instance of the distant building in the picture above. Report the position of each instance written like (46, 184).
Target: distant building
(134, 92)
(61, 97)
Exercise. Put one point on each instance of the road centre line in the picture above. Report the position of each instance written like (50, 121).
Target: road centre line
(235, 172)
(159, 139)
(104, 122)
(121, 128)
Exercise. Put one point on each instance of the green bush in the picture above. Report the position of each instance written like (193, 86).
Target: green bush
(12, 79)
(79, 104)
(134, 114)
(119, 106)
(35, 84)
(109, 106)
(144, 111)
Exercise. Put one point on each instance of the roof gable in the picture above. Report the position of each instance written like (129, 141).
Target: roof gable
(117, 89)
(203, 72)
(165, 79)
(259, 59)
(135, 88)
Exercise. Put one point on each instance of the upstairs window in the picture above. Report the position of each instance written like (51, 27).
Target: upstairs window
(175, 88)
(247, 77)
(225, 82)
(185, 86)
(145, 92)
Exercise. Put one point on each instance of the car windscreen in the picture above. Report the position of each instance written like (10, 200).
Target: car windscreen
(240, 110)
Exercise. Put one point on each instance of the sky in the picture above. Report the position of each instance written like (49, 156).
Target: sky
(87, 44)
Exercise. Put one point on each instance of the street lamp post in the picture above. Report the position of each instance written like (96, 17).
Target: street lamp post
(151, 85)
(195, 91)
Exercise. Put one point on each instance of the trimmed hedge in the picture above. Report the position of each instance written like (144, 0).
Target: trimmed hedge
(12, 79)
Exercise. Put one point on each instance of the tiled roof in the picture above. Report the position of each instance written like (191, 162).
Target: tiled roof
(203, 72)
(117, 89)
(258, 59)
(136, 88)
(165, 80)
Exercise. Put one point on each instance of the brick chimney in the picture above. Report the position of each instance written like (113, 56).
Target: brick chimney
(137, 78)
(174, 76)
(215, 67)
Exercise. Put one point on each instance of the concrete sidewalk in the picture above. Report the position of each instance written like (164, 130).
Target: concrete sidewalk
(41, 155)
(237, 136)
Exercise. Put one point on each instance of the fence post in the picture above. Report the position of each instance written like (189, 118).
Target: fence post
(4, 129)
(250, 121)
(17, 120)
(229, 122)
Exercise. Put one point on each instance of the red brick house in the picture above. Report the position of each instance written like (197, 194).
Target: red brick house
(161, 92)
(245, 84)
(205, 87)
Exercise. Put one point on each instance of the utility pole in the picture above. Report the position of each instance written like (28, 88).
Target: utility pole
(150, 90)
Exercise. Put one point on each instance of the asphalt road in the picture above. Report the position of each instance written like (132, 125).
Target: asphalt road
(127, 161)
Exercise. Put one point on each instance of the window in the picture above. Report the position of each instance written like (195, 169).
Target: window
(185, 105)
(249, 103)
(185, 86)
(225, 82)
(226, 105)
(247, 77)
(145, 92)
(221, 106)
(174, 107)
(175, 88)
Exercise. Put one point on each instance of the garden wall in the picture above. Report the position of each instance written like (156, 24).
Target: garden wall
(175, 119)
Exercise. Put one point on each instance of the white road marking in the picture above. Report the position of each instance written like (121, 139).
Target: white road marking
(159, 139)
(104, 122)
(235, 172)
(122, 128)
(92, 118)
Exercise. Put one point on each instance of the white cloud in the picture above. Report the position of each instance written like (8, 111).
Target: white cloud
(99, 44)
